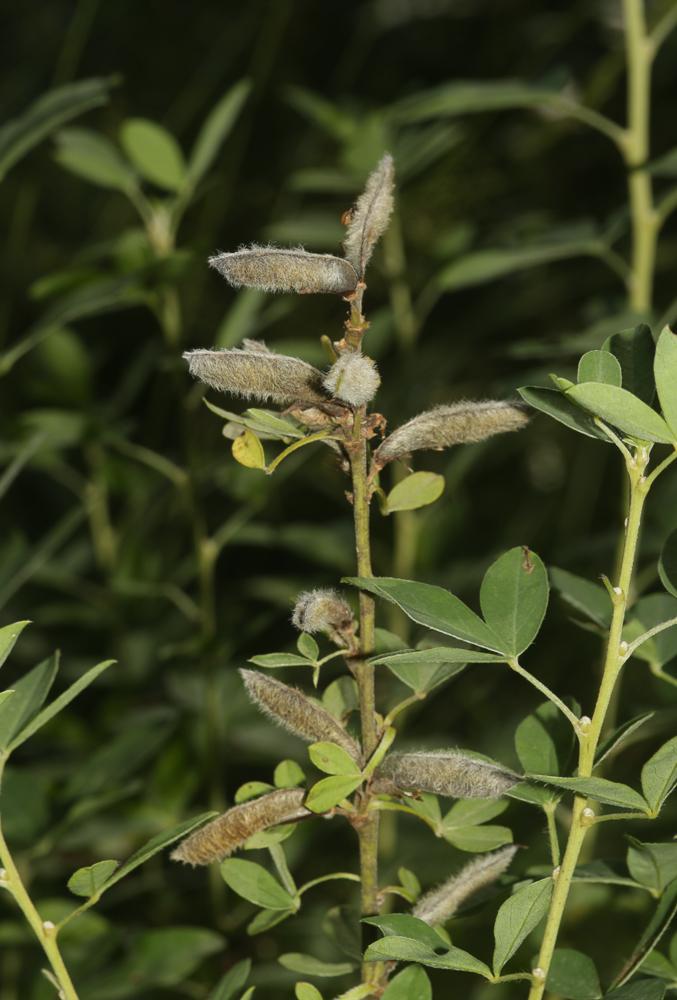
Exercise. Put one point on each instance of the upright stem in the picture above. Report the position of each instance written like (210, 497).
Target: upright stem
(645, 225)
(581, 815)
(46, 933)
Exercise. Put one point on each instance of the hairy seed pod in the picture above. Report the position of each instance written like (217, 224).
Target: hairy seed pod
(440, 904)
(257, 374)
(274, 269)
(370, 215)
(252, 344)
(353, 378)
(227, 833)
(447, 772)
(321, 610)
(296, 712)
(443, 426)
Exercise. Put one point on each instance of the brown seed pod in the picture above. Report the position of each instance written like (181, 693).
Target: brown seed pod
(257, 374)
(370, 216)
(275, 269)
(446, 772)
(296, 712)
(440, 904)
(443, 426)
(227, 833)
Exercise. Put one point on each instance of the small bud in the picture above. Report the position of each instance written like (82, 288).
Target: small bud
(447, 772)
(439, 905)
(443, 426)
(230, 831)
(353, 378)
(588, 813)
(258, 375)
(48, 926)
(555, 873)
(296, 712)
(623, 647)
(322, 611)
(370, 215)
(274, 269)
(538, 973)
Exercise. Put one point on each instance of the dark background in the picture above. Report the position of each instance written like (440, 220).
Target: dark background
(98, 545)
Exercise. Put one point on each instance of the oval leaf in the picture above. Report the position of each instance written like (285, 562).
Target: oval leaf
(307, 965)
(29, 694)
(623, 410)
(659, 775)
(517, 917)
(8, 637)
(410, 984)
(154, 152)
(556, 405)
(417, 490)
(328, 792)
(665, 368)
(635, 350)
(254, 883)
(514, 598)
(573, 975)
(611, 793)
(407, 950)
(232, 982)
(599, 366)
(88, 881)
(332, 759)
(248, 450)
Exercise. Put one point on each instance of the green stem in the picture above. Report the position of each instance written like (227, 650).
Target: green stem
(45, 932)
(636, 152)
(580, 822)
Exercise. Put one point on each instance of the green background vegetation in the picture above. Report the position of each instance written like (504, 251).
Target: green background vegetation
(131, 533)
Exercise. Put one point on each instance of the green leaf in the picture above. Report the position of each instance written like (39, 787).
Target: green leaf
(248, 451)
(659, 775)
(620, 735)
(640, 989)
(307, 646)
(488, 265)
(265, 919)
(435, 655)
(59, 703)
(589, 598)
(611, 793)
(665, 368)
(407, 950)
(328, 792)
(4, 695)
(46, 114)
(288, 774)
(573, 976)
(470, 97)
(623, 410)
(652, 865)
(341, 697)
(307, 965)
(432, 607)
(29, 694)
(646, 613)
(154, 152)
(332, 759)
(232, 982)
(545, 735)
(155, 845)
(664, 914)
(410, 984)
(404, 925)
(477, 839)
(517, 917)
(409, 881)
(667, 564)
(603, 874)
(94, 158)
(274, 661)
(215, 129)
(423, 677)
(417, 490)
(600, 366)
(255, 884)
(88, 881)
(252, 790)
(306, 991)
(556, 405)
(470, 812)
(635, 351)
(8, 637)
(514, 598)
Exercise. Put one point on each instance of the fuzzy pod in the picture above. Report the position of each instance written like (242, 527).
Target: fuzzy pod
(440, 904)
(446, 772)
(257, 374)
(443, 426)
(370, 215)
(322, 610)
(227, 833)
(296, 712)
(353, 378)
(274, 269)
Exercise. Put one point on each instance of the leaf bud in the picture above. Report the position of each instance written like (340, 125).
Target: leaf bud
(353, 378)
(370, 215)
(324, 610)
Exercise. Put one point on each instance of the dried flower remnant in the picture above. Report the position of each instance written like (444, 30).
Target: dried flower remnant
(440, 904)
(370, 216)
(233, 829)
(257, 374)
(275, 269)
(322, 611)
(296, 712)
(353, 378)
(446, 772)
(443, 426)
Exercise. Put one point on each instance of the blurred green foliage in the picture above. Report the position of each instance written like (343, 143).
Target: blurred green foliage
(128, 531)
